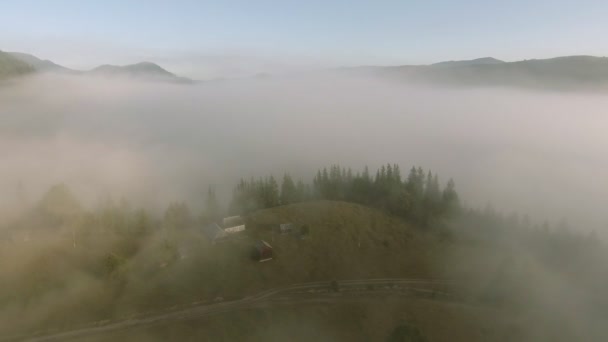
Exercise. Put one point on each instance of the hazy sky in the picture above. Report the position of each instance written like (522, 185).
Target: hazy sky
(82, 34)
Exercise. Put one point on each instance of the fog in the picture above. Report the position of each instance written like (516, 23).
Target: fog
(530, 152)
(535, 153)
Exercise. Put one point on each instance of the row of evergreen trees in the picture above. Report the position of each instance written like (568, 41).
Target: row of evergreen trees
(418, 197)
(263, 193)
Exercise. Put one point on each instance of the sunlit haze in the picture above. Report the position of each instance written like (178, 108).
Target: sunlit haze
(303, 171)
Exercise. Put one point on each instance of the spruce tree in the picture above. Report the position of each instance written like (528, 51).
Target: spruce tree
(288, 190)
(212, 206)
(272, 193)
(451, 203)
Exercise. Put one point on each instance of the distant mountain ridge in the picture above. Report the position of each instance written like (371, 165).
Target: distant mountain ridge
(478, 61)
(139, 68)
(565, 73)
(145, 71)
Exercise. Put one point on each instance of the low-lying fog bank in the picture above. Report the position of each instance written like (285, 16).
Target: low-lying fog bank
(532, 152)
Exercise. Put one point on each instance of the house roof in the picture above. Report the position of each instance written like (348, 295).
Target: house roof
(232, 221)
(213, 231)
(261, 244)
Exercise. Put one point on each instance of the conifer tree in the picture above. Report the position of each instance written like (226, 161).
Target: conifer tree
(212, 206)
(289, 193)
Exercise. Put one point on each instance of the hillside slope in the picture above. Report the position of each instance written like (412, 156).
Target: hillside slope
(346, 241)
(12, 67)
(123, 277)
(113, 277)
(39, 64)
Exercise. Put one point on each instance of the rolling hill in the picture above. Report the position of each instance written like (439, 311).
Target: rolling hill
(18, 63)
(118, 277)
(346, 241)
(142, 71)
(13, 67)
(478, 61)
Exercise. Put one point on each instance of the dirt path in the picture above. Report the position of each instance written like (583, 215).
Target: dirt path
(294, 294)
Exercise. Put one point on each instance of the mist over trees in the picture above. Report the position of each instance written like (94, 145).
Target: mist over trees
(152, 142)
(124, 251)
(118, 249)
(418, 197)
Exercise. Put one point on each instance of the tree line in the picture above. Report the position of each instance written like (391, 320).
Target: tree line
(419, 196)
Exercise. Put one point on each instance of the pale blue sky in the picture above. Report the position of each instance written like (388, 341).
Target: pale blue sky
(85, 33)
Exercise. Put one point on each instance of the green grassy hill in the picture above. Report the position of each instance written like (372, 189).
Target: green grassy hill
(346, 241)
(110, 276)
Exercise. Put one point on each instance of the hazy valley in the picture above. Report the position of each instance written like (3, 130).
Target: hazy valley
(109, 176)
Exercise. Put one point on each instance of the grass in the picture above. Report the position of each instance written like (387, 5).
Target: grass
(109, 277)
(372, 319)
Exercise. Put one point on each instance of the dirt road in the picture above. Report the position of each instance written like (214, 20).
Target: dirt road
(294, 294)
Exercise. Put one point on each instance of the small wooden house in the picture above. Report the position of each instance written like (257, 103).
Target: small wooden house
(286, 228)
(262, 251)
(293, 229)
(233, 224)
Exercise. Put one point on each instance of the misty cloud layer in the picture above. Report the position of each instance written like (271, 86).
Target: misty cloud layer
(537, 153)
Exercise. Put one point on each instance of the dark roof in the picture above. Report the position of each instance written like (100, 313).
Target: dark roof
(261, 244)
(213, 231)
